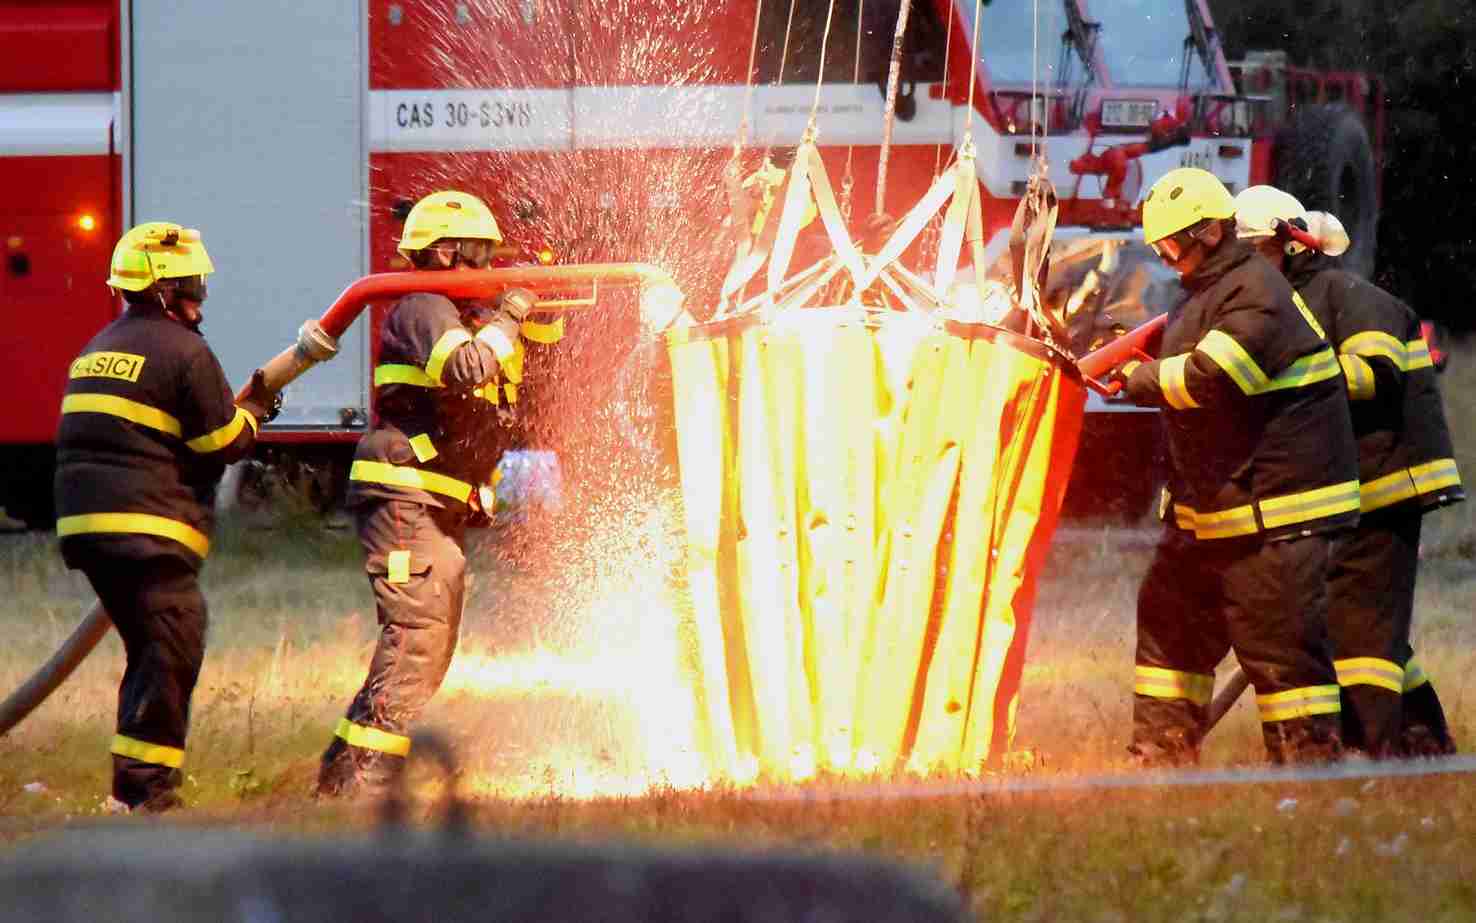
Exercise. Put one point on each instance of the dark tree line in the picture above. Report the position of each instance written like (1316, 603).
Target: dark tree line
(1424, 51)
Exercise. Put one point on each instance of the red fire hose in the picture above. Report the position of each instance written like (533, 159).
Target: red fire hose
(318, 341)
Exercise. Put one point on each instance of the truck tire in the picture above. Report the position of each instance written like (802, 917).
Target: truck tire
(1324, 158)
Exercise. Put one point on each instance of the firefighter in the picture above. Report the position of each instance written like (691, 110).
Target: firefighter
(1406, 466)
(445, 372)
(1263, 469)
(147, 428)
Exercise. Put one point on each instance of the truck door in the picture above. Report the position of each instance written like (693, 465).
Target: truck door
(247, 123)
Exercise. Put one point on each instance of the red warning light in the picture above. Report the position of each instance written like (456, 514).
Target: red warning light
(86, 222)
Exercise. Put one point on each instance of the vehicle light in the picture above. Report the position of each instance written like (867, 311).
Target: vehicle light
(86, 222)
(545, 256)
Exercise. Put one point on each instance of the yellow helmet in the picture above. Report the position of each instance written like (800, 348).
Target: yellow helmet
(447, 214)
(1181, 199)
(157, 250)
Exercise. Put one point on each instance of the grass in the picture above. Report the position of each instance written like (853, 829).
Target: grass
(568, 726)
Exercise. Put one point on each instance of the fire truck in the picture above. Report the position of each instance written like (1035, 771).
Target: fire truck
(296, 136)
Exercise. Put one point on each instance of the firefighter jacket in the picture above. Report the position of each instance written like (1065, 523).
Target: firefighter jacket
(1404, 448)
(1254, 406)
(437, 392)
(148, 425)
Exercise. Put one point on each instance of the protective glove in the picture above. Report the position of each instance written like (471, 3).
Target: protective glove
(260, 401)
(500, 333)
(517, 302)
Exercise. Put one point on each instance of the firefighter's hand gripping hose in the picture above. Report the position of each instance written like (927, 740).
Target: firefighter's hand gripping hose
(661, 305)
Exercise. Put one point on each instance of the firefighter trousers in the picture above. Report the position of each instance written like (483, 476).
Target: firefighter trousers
(417, 569)
(1371, 585)
(160, 614)
(1265, 600)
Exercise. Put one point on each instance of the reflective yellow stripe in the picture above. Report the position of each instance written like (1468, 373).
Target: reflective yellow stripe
(511, 390)
(1159, 683)
(398, 566)
(396, 374)
(1332, 500)
(144, 752)
(1240, 520)
(1360, 377)
(542, 333)
(1299, 703)
(218, 439)
(399, 476)
(1386, 491)
(1308, 316)
(1414, 676)
(1370, 671)
(442, 351)
(1184, 517)
(134, 524)
(1232, 357)
(368, 738)
(1417, 355)
(1377, 343)
(1432, 476)
(1171, 380)
(424, 449)
(1163, 503)
(1308, 370)
(142, 414)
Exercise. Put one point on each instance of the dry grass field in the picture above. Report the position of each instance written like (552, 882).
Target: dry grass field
(571, 719)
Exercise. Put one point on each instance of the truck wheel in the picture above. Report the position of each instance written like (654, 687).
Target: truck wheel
(1325, 159)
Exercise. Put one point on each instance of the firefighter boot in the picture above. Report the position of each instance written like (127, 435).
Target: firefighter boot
(1310, 739)
(1425, 732)
(354, 772)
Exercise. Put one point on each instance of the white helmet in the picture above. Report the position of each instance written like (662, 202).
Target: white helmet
(1258, 209)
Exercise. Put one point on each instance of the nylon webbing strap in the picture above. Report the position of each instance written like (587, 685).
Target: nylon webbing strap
(791, 219)
(835, 224)
(965, 191)
(911, 226)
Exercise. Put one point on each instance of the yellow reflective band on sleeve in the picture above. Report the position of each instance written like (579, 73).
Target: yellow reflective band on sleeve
(1435, 475)
(400, 476)
(1377, 343)
(144, 752)
(1308, 505)
(217, 439)
(1370, 671)
(368, 738)
(512, 366)
(398, 374)
(542, 333)
(1236, 362)
(1308, 316)
(1299, 703)
(1171, 380)
(1360, 377)
(442, 351)
(1386, 491)
(142, 414)
(1184, 517)
(1308, 370)
(398, 566)
(134, 524)
(511, 390)
(1417, 355)
(1159, 683)
(424, 449)
(1414, 676)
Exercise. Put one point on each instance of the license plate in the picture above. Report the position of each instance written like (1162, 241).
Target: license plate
(1127, 113)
